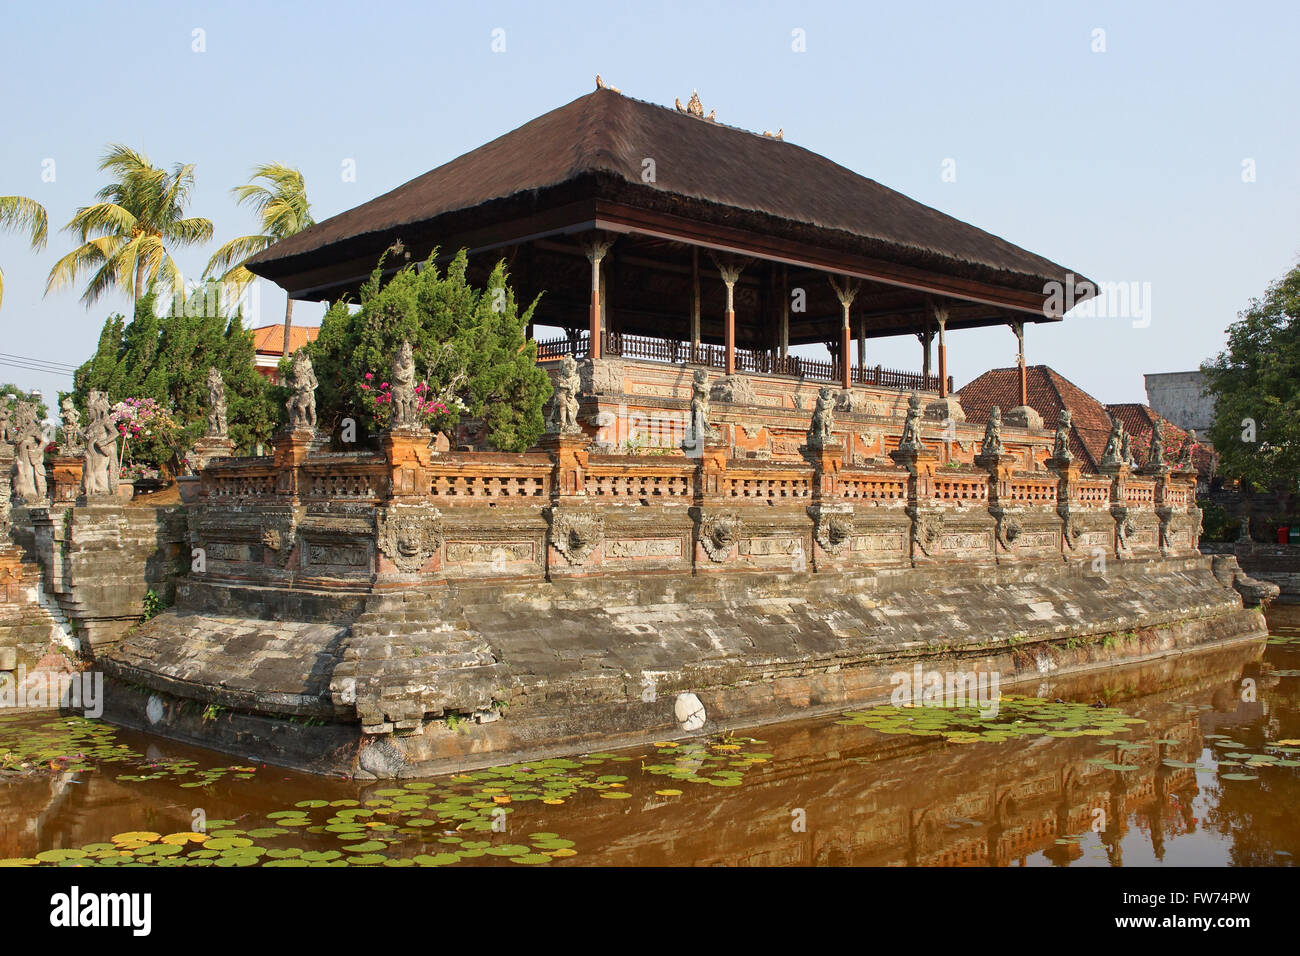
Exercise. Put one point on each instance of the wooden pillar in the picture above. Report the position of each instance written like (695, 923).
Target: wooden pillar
(846, 294)
(730, 271)
(595, 250)
(925, 338)
(1019, 329)
(941, 319)
(785, 311)
(862, 343)
(695, 302)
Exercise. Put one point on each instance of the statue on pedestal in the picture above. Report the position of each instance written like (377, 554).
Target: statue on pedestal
(29, 456)
(71, 427)
(823, 419)
(1184, 460)
(302, 403)
(216, 404)
(700, 429)
(564, 404)
(993, 434)
(100, 471)
(405, 410)
(911, 437)
(1061, 447)
(1116, 452)
(1156, 459)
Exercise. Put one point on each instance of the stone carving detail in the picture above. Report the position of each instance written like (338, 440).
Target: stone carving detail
(72, 441)
(926, 529)
(1125, 527)
(216, 404)
(1116, 446)
(1164, 535)
(1184, 460)
(602, 376)
(402, 387)
(834, 531)
(6, 426)
(1071, 532)
(1008, 529)
(719, 533)
(1061, 447)
(1126, 451)
(100, 472)
(563, 419)
(576, 534)
(993, 434)
(409, 537)
(823, 419)
(1156, 460)
(700, 429)
(279, 534)
(302, 403)
(735, 389)
(911, 437)
(29, 456)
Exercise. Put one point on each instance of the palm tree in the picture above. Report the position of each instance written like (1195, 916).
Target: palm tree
(23, 215)
(283, 209)
(125, 237)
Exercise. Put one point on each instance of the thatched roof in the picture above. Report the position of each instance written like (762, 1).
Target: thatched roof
(593, 150)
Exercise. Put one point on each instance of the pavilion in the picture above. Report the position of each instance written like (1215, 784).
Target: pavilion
(660, 234)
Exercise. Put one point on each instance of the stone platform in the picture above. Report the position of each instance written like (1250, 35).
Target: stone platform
(476, 673)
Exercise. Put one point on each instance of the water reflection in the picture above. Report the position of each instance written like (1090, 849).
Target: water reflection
(1210, 777)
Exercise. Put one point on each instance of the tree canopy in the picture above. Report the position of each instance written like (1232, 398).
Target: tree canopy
(468, 343)
(166, 358)
(1256, 386)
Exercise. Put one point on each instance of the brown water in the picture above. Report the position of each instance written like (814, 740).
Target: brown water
(1192, 760)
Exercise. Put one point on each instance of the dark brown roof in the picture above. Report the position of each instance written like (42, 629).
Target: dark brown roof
(594, 148)
(1050, 391)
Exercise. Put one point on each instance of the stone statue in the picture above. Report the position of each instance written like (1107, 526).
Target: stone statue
(29, 456)
(302, 403)
(100, 472)
(823, 419)
(700, 429)
(1061, 448)
(216, 404)
(71, 427)
(1184, 460)
(911, 437)
(564, 407)
(405, 410)
(6, 415)
(1157, 457)
(993, 434)
(1116, 445)
(1126, 451)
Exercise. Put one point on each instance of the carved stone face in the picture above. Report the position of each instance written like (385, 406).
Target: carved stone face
(723, 533)
(837, 531)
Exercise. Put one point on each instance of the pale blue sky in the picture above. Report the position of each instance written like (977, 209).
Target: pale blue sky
(1126, 165)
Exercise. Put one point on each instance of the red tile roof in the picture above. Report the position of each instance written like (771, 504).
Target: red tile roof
(269, 339)
(1050, 391)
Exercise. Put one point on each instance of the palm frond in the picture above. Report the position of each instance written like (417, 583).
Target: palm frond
(23, 214)
(236, 252)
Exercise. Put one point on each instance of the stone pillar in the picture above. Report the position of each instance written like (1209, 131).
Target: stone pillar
(289, 451)
(1019, 329)
(63, 475)
(1000, 464)
(920, 463)
(409, 453)
(595, 250)
(695, 303)
(925, 338)
(1118, 472)
(208, 448)
(569, 452)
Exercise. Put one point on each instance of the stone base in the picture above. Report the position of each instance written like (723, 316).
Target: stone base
(570, 657)
(207, 449)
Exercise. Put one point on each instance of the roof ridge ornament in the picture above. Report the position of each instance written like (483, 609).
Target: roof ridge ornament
(602, 85)
(695, 107)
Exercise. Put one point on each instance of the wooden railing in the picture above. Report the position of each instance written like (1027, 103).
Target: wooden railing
(680, 352)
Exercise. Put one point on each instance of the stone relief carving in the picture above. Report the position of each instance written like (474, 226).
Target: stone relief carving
(563, 419)
(1008, 529)
(402, 388)
(409, 537)
(279, 535)
(100, 472)
(834, 531)
(72, 441)
(601, 376)
(1125, 527)
(216, 404)
(926, 529)
(823, 419)
(719, 533)
(302, 403)
(735, 389)
(576, 534)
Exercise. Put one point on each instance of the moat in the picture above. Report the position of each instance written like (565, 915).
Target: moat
(1191, 759)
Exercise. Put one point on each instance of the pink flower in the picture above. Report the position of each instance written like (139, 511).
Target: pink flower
(370, 375)
(365, 387)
